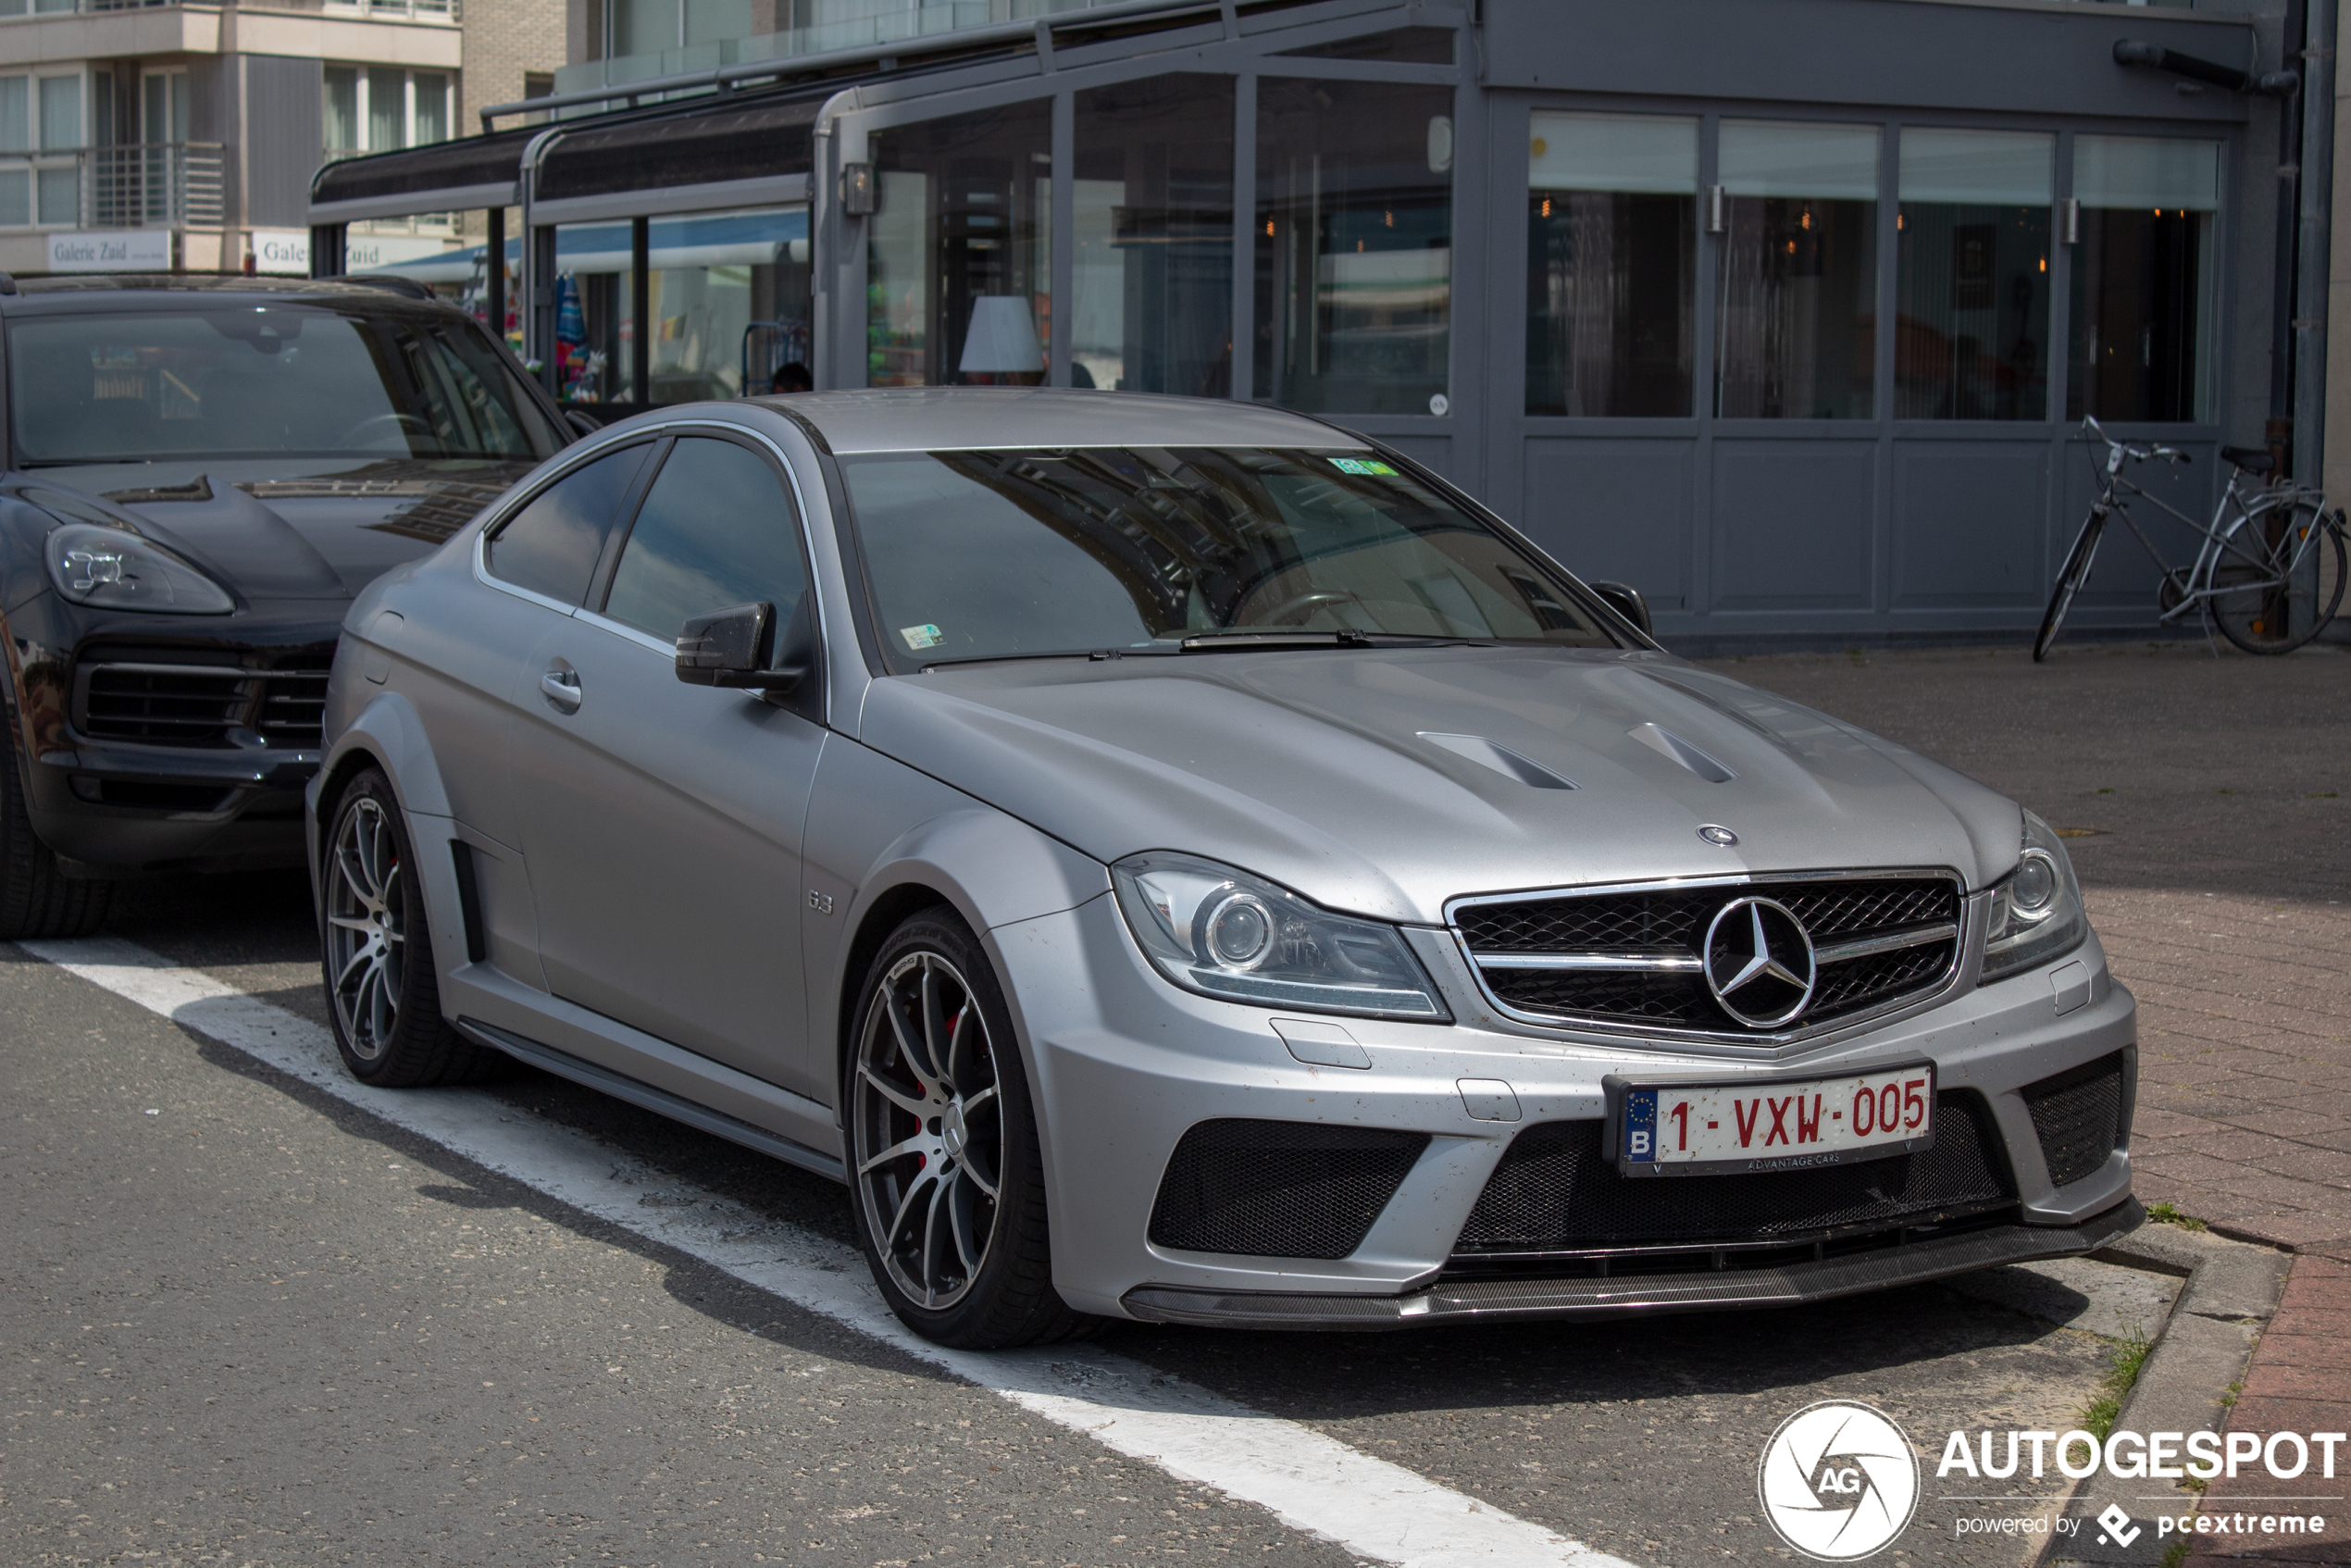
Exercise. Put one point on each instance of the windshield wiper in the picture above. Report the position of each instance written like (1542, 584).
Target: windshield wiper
(1240, 641)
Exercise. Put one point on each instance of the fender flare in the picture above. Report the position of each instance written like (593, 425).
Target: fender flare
(389, 733)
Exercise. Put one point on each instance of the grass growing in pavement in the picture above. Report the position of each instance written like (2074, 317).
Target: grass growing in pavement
(2122, 1370)
(2164, 1213)
(2177, 1552)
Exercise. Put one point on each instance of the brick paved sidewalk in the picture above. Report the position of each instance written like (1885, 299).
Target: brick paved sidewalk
(2212, 800)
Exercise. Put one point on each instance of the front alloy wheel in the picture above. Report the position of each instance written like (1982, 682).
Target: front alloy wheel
(366, 929)
(945, 1178)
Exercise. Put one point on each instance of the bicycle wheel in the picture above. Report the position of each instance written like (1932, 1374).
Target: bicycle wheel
(2069, 580)
(2272, 596)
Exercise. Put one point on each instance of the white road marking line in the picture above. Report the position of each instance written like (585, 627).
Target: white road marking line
(1311, 1481)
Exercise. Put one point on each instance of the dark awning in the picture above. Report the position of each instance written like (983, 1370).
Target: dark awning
(471, 165)
(749, 138)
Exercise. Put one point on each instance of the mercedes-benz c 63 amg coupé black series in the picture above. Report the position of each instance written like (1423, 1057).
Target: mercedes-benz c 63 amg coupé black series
(198, 476)
(1180, 861)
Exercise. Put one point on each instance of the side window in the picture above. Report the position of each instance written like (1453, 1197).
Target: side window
(552, 545)
(715, 530)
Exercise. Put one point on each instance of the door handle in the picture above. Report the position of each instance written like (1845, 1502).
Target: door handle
(560, 686)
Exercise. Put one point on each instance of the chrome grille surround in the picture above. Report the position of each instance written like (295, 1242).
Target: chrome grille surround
(1923, 960)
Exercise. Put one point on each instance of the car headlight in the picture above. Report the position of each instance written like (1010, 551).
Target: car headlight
(112, 568)
(1226, 934)
(2036, 911)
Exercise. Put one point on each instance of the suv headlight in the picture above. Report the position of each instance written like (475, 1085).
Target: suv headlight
(113, 568)
(2036, 911)
(1226, 934)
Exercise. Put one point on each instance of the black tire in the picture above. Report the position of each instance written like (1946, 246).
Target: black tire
(383, 995)
(37, 898)
(2070, 579)
(2264, 617)
(918, 1125)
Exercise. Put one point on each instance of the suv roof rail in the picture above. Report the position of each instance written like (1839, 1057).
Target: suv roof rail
(386, 281)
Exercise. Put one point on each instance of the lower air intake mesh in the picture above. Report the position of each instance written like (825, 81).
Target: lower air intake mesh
(2078, 1116)
(1554, 1192)
(1279, 1190)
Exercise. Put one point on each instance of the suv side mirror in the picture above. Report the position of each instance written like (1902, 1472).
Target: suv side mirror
(1626, 601)
(730, 647)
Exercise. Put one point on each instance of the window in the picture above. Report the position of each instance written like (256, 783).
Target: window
(2143, 280)
(1972, 277)
(41, 115)
(1153, 232)
(1799, 301)
(1611, 225)
(959, 289)
(1355, 228)
(379, 108)
(552, 545)
(723, 289)
(717, 529)
(61, 113)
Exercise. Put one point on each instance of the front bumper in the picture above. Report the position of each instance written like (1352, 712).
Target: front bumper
(1516, 1301)
(1123, 1064)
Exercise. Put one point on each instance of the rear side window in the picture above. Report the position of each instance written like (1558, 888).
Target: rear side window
(717, 529)
(552, 545)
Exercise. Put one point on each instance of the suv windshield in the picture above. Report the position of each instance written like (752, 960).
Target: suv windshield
(1005, 554)
(246, 380)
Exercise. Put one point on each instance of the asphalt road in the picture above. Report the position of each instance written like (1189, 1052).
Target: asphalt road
(244, 1322)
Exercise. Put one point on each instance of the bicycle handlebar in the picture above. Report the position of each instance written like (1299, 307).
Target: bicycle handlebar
(2118, 450)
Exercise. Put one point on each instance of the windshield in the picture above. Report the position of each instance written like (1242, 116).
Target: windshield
(264, 382)
(1004, 554)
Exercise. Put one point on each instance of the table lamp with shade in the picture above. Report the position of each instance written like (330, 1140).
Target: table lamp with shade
(1000, 345)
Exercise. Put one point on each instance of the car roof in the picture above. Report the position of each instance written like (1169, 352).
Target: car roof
(167, 290)
(945, 419)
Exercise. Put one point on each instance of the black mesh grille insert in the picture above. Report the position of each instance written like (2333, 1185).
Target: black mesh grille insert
(2077, 1115)
(168, 701)
(1279, 1190)
(1673, 922)
(1554, 1192)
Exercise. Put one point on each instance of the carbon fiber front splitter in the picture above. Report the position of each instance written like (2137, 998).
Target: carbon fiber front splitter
(1512, 1300)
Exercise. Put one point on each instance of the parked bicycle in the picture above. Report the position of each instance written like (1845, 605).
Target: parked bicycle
(2268, 572)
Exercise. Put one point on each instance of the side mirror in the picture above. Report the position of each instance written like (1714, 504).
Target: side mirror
(1626, 601)
(731, 647)
(582, 423)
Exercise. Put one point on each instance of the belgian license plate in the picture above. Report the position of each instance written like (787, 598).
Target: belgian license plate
(1689, 1129)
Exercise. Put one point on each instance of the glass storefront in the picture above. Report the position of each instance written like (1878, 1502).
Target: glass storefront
(1612, 257)
(1152, 237)
(1973, 275)
(2144, 285)
(1797, 312)
(1355, 228)
(958, 270)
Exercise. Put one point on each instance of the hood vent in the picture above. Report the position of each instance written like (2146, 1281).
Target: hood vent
(1501, 759)
(1665, 744)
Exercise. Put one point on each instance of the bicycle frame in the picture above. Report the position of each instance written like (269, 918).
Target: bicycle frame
(2235, 511)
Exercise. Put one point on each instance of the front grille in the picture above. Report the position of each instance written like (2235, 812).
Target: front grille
(2077, 1115)
(1631, 958)
(1554, 1193)
(1279, 1190)
(167, 701)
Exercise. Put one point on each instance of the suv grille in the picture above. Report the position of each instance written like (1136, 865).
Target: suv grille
(175, 699)
(1632, 957)
(1554, 1193)
(1279, 1190)
(2078, 1116)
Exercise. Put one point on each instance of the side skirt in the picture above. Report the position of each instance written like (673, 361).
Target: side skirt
(660, 1100)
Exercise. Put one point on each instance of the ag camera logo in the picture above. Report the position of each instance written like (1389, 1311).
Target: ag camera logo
(1838, 1481)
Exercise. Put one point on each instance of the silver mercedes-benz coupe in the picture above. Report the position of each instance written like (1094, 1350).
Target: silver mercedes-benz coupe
(1182, 860)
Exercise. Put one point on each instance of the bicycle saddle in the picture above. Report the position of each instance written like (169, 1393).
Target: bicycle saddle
(2252, 459)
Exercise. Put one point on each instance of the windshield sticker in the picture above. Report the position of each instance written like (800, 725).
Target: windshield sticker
(921, 637)
(1372, 465)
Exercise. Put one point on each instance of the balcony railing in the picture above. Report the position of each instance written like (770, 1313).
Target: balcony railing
(402, 11)
(161, 185)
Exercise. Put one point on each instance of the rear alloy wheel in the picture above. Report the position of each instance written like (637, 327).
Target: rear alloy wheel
(378, 964)
(944, 1169)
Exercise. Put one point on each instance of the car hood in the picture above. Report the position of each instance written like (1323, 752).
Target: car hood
(295, 529)
(1316, 768)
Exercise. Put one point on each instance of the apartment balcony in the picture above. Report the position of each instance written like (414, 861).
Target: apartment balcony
(422, 33)
(163, 185)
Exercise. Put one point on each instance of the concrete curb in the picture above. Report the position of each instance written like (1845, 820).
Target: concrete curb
(2232, 1292)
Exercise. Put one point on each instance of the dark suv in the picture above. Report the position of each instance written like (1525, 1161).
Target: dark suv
(196, 475)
